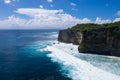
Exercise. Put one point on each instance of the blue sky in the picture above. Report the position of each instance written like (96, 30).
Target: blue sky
(50, 13)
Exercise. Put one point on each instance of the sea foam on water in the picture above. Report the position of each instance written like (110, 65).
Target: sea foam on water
(76, 68)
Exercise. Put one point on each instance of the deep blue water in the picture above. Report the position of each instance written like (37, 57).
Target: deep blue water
(20, 58)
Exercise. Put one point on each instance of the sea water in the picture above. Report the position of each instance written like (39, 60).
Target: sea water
(20, 58)
(36, 55)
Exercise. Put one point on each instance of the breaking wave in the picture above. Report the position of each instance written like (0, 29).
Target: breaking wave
(76, 68)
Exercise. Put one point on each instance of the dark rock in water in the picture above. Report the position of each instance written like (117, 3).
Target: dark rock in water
(103, 41)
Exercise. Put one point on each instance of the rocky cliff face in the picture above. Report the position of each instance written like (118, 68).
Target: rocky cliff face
(103, 41)
(70, 36)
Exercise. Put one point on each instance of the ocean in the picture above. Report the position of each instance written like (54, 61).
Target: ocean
(36, 55)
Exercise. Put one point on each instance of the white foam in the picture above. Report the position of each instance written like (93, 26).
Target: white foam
(78, 69)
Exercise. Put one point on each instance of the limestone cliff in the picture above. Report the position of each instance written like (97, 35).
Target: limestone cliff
(104, 40)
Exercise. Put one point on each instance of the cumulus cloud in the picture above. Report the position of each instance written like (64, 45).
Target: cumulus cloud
(49, 0)
(43, 18)
(12, 22)
(118, 13)
(116, 20)
(102, 21)
(39, 13)
(85, 20)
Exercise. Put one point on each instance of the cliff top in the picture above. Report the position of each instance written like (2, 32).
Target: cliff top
(90, 26)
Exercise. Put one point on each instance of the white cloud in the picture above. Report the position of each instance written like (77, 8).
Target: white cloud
(39, 13)
(85, 20)
(102, 21)
(40, 18)
(118, 13)
(41, 6)
(116, 19)
(12, 23)
(44, 18)
(7, 1)
(49, 0)
(72, 4)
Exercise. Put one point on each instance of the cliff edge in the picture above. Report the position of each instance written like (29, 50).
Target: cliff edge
(101, 39)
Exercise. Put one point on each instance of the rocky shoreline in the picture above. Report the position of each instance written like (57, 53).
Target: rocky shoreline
(102, 41)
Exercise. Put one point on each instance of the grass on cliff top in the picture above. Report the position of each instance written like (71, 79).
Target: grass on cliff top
(90, 26)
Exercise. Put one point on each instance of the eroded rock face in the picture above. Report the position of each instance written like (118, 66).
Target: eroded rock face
(103, 41)
(69, 36)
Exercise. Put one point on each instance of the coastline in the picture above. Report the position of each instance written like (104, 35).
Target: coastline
(94, 38)
(65, 55)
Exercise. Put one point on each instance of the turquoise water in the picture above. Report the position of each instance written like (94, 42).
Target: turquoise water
(20, 58)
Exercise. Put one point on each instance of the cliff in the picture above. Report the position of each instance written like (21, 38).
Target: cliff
(92, 38)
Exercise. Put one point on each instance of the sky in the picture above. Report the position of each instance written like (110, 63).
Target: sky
(56, 14)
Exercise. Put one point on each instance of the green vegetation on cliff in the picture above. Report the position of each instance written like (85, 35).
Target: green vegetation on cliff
(103, 39)
(90, 26)
(97, 35)
(114, 24)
